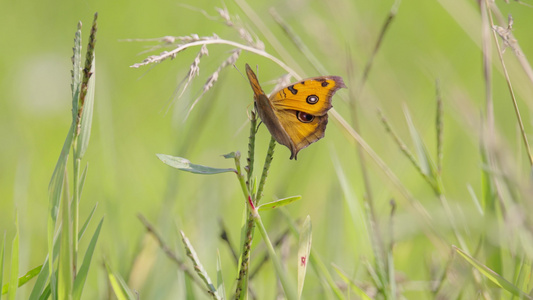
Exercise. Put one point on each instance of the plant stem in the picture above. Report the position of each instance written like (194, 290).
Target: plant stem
(266, 167)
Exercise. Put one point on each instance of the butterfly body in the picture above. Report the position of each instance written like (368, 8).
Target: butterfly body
(296, 116)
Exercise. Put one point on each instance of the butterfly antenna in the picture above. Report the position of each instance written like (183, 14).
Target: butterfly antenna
(238, 70)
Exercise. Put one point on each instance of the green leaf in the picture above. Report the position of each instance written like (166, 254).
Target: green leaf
(87, 115)
(79, 282)
(356, 289)
(278, 203)
(220, 279)
(87, 221)
(230, 155)
(426, 164)
(13, 282)
(185, 165)
(24, 278)
(65, 271)
(304, 249)
(121, 290)
(493, 276)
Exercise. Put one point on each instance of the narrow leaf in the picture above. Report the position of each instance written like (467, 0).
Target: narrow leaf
(304, 249)
(121, 290)
(278, 203)
(65, 272)
(358, 291)
(13, 282)
(493, 276)
(185, 165)
(79, 282)
(220, 279)
(230, 155)
(198, 267)
(87, 221)
(423, 155)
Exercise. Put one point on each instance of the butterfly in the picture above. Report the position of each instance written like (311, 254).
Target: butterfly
(296, 115)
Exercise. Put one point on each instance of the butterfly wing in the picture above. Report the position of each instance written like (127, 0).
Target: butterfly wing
(296, 115)
(302, 108)
(312, 95)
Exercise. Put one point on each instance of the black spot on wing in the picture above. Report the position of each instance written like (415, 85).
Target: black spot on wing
(325, 83)
(292, 89)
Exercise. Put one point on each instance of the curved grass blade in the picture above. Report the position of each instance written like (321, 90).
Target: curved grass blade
(493, 276)
(278, 203)
(304, 249)
(359, 291)
(24, 278)
(121, 290)
(79, 282)
(198, 267)
(183, 164)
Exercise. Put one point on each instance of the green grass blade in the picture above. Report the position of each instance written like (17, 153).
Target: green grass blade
(304, 249)
(198, 267)
(493, 276)
(65, 271)
(23, 279)
(79, 282)
(278, 203)
(87, 221)
(2, 251)
(424, 159)
(220, 279)
(13, 282)
(356, 289)
(121, 290)
(185, 165)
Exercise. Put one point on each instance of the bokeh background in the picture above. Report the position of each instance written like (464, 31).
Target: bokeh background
(136, 116)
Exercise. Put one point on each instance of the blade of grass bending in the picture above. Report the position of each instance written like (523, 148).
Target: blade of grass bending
(220, 279)
(198, 267)
(22, 279)
(13, 282)
(79, 282)
(278, 203)
(2, 250)
(304, 249)
(185, 165)
(121, 290)
(493, 276)
(358, 291)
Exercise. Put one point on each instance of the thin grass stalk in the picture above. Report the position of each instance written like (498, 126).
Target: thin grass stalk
(440, 128)
(169, 253)
(271, 37)
(510, 87)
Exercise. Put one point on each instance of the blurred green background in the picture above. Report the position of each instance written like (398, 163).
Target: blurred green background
(427, 41)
